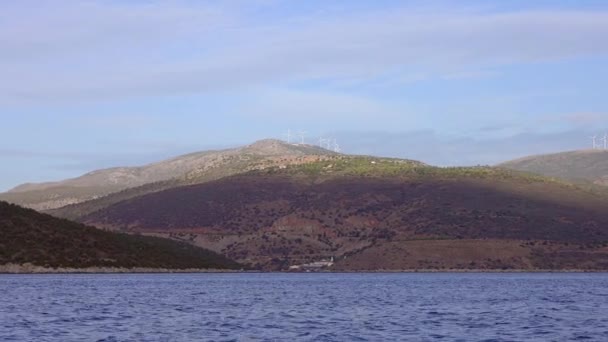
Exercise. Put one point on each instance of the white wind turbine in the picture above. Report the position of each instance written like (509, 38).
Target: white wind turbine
(593, 138)
(288, 135)
(325, 143)
(605, 140)
(336, 146)
(302, 135)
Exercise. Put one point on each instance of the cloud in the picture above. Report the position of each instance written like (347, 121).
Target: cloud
(93, 50)
(36, 30)
(116, 120)
(85, 161)
(499, 127)
(584, 118)
(19, 153)
(311, 105)
(470, 74)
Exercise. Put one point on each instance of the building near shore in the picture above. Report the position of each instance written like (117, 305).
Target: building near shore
(313, 266)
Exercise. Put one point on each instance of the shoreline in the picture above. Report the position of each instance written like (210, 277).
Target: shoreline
(33, 269)
(464, 270)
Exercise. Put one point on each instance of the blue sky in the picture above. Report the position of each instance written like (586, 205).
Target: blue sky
(92, 84)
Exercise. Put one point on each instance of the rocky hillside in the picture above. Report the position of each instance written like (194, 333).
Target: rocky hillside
(187, 169)
(576, 166)
(371, 214)
(232, 165)
(28, 237)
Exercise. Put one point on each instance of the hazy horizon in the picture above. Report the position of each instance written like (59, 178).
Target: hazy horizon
(96, 84)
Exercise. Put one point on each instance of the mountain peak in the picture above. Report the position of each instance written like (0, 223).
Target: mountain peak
(267, 143)
(101, 183)
(279, 147)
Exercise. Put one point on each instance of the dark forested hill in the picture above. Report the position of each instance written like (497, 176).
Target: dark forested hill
(30, 237)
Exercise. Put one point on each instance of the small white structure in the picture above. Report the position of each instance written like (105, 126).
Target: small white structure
(319, 264)
(313, 266)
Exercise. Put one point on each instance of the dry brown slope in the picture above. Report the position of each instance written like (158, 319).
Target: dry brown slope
(577, 166)
(181, 170)
(234, 165)
(362, 209)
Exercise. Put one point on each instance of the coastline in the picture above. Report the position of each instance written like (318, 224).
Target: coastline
(34, 269)
(465, 270)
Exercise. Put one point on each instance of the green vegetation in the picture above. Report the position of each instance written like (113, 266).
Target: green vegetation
(387, 167)
(30, 237)
(357, 166)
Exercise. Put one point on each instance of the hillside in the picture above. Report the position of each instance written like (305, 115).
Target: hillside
(231, 165)
(187, 169)
(371, 213)
(30, 237)
(576, 166)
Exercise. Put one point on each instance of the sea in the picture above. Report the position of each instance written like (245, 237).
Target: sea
(305, 307)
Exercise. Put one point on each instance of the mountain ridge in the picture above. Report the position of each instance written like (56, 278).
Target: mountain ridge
(581, 166)
(101, 183)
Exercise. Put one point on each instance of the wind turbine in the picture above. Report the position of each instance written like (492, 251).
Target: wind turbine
(336, 146)
(322, 142)
(288, 135)
(605, 140)
(302, 135)
(325, 143)
(594, 143)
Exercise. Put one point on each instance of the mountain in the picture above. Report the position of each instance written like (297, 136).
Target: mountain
(375, 213)
(587, 166)
(28, 237)
(186, 169)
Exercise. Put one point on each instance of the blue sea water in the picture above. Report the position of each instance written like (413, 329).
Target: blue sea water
(304, 307)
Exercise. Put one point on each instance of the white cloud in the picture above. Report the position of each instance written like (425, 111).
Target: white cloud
(82, 50)
(585, 118)
(116, 120)
(310, 105)
(41, 29)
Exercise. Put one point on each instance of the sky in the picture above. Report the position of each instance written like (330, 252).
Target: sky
(100, 83)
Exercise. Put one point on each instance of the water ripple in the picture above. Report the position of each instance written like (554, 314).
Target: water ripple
(304, 307)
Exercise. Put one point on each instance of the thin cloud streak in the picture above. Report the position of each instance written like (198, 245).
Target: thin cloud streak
(127, 51)
(312, 106)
